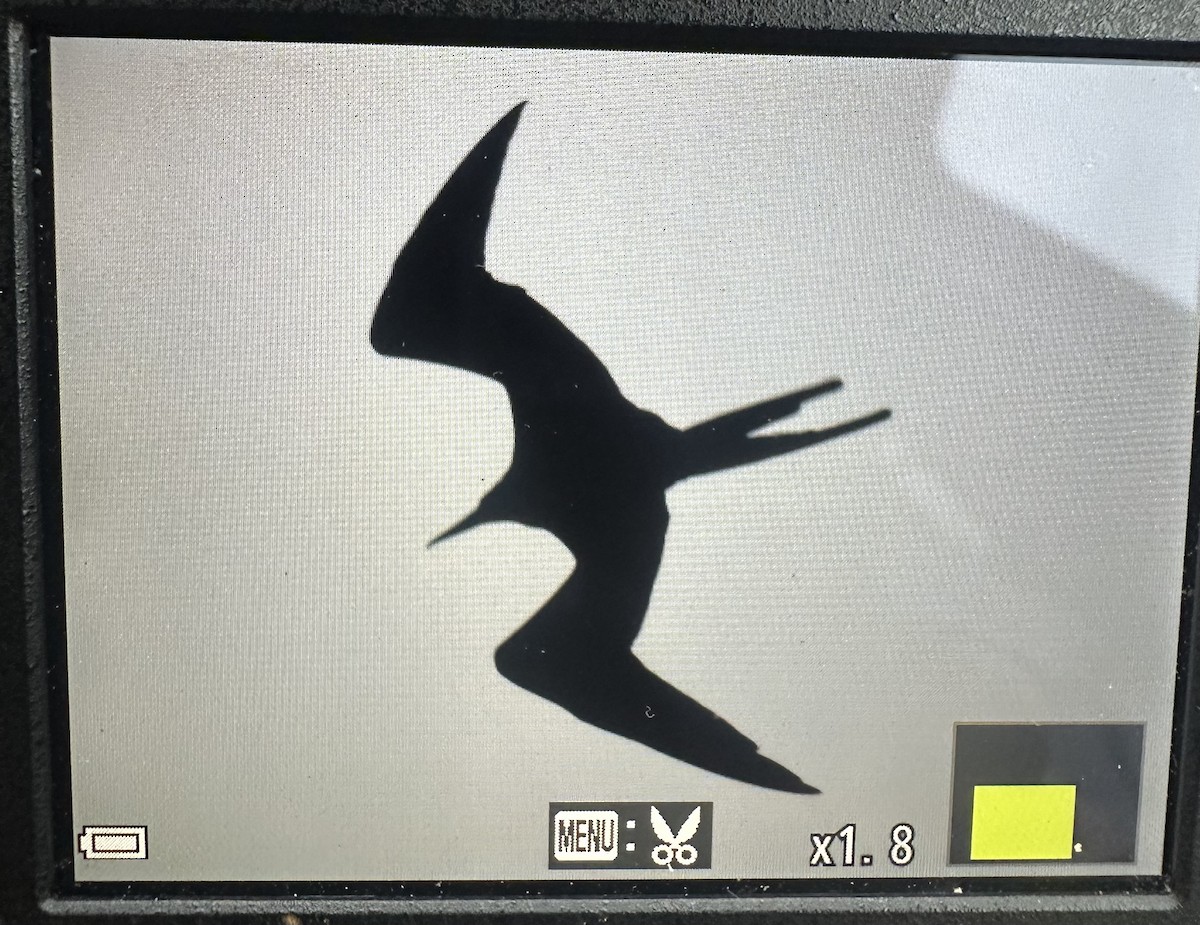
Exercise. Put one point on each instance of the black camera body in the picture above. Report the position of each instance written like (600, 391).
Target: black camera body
(594, 449)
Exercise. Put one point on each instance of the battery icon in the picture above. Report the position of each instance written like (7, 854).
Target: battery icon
(113, 842)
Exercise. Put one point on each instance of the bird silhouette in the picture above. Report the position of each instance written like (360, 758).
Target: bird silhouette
(587, 465)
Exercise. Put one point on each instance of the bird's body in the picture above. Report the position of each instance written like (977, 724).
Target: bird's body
(588, 466)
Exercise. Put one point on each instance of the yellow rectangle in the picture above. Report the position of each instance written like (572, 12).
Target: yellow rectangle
(1023, 823)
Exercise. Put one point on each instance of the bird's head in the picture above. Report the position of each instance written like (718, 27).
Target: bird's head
(494, 507)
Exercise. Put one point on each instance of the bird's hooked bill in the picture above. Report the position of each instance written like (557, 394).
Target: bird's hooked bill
(474, 519)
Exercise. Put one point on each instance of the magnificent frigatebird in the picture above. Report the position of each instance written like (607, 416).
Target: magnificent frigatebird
(588, 466)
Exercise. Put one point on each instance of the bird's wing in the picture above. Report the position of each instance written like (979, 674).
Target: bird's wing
(454, 228)
(576, 653)
(441, 305)
(617, 545)
(536, 357)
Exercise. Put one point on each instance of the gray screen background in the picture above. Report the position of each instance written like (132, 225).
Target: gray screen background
(269, 669)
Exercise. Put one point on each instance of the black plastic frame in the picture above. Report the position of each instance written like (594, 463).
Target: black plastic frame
(36, 850)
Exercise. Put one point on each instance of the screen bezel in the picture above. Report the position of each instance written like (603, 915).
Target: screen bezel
(35, 377)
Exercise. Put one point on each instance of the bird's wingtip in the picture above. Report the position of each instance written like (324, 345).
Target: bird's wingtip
(775, 776)
(514, 114)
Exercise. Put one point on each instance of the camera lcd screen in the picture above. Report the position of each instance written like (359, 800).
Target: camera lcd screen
(499, 464)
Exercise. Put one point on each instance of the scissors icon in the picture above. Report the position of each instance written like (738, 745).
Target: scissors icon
(674, 846)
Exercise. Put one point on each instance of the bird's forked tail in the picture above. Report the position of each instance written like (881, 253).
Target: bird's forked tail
(727, 441)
